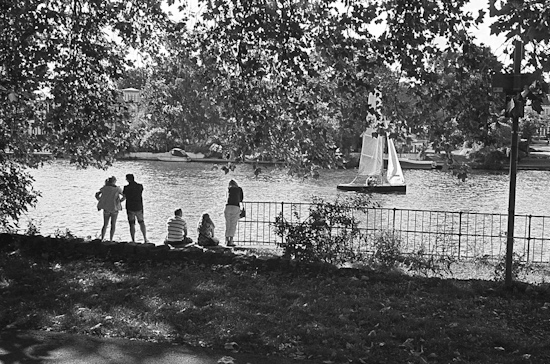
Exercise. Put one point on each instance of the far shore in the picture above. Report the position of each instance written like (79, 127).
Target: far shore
(539, 159)
(191, 157)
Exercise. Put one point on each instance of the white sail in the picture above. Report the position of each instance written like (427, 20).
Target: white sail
(394, 173)
(371, 162)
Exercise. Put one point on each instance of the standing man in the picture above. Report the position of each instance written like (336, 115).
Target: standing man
(134, 206)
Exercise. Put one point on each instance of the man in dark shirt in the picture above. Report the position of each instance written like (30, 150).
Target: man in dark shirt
(134, 206)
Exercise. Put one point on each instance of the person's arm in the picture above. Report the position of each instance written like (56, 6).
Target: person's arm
(98, 195)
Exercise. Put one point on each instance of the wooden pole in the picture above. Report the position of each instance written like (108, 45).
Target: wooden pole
(513, 167)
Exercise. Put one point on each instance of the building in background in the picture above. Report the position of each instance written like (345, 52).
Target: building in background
(132, 97)
(544, 130)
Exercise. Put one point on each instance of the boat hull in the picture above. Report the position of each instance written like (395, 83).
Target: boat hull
(171, 158)
(353, 187)
(416, 164)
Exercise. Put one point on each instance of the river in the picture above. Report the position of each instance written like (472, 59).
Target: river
(68, 202)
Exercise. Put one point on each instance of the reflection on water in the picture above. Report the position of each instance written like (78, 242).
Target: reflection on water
(68, 201)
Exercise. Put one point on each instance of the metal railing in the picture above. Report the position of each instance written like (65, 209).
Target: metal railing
(462, 235)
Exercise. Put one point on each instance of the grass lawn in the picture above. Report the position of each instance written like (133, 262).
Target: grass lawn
(340, 317)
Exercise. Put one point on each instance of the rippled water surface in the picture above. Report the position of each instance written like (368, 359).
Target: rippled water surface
(68, 201)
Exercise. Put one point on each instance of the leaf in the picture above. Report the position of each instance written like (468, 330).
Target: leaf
(226, 360)
(231, 346)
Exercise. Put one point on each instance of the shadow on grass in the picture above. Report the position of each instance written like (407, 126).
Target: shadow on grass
(342, 316)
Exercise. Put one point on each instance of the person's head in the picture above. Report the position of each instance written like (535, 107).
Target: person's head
(111, 181)
(130, 177)
(233, 183)
(206, 217)
(178, 212)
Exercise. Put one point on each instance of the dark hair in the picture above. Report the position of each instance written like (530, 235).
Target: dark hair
(130, 177)
(178, 212)
(233, 183)
(206, 219)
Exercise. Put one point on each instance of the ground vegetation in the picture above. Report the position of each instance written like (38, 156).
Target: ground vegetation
(366, 315)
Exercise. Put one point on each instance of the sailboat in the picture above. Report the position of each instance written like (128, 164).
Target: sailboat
(371, 177)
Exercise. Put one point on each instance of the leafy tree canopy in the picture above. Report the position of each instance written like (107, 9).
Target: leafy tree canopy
(288, 78)
(58, 63)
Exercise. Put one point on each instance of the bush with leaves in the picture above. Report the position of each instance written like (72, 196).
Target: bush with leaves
(386, 249)
(388, 253)
(520, 268)
(64, 235)
(16, 193)
(426, 264)
(32, 228)
(158, 140)
(329, 233)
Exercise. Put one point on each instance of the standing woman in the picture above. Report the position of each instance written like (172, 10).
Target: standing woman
(109, 199)
(232, 211)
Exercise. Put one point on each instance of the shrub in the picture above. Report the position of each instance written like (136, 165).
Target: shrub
(32, 228)
(426, 264)
(66, 235)
(329, 233)
(386, 249)
(435, 259)
(488, 158)
(520, 268)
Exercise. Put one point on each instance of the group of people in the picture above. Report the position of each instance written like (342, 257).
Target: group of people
(111, 196)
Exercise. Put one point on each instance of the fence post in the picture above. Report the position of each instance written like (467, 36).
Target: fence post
(529, 239)
(393, 224)
(283, 215)
(459, 233)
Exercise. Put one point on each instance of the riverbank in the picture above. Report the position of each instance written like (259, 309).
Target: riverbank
(191, 157)
(538, 160)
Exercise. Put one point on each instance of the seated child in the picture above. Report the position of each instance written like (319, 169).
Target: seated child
(206, 232)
